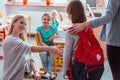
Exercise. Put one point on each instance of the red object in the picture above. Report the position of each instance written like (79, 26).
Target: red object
(48, 2)
(1, 57)
(3, 32)
(25, 2)
(88, 50)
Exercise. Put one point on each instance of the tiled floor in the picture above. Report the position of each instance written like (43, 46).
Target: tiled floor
(106, 75)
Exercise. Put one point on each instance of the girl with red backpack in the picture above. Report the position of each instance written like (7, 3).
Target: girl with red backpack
(83, 57)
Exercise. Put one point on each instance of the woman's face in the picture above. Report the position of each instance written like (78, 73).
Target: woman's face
(19, 25)
(46, 20)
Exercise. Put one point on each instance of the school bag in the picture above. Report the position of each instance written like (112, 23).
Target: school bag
(88, 52)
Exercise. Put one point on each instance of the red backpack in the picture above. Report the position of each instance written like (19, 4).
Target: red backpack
(88, 51)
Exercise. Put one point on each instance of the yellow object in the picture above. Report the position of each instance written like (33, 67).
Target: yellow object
(2, 34)
(58, 60)
(2, 37)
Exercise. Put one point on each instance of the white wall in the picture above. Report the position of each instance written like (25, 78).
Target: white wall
(2, 2)
(34, 11)
(35, 19)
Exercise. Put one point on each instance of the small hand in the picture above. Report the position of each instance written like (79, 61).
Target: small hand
(55, 51)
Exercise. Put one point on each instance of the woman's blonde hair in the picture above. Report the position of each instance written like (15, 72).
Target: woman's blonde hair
(15, 19)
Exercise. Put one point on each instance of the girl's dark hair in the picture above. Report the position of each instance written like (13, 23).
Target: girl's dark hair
(76, 10)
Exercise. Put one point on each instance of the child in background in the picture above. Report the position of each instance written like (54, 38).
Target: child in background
(54, 16)
(46, 34)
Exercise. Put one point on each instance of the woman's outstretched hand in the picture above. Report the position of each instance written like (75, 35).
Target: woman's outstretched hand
(55, 51)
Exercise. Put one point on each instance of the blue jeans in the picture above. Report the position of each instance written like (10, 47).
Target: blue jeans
(48, 63)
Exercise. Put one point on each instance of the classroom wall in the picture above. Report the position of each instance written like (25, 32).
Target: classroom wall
(2, 7)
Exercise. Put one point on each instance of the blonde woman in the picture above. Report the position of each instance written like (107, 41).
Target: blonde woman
(15, 49)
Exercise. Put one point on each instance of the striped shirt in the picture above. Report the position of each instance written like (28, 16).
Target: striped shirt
(111, 20)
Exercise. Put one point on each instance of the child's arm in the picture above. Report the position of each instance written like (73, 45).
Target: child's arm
(67, 52)
(40, 38)
(53, 37)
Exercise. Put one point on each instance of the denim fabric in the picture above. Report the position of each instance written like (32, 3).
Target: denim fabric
(47, 61)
